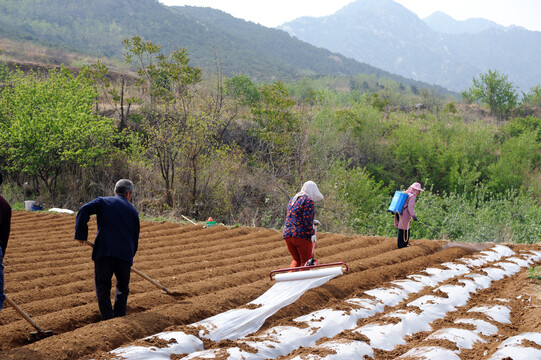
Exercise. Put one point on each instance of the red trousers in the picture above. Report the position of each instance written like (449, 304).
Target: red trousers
(300, 249)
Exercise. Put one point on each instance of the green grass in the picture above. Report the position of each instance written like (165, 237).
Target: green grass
(534, 273)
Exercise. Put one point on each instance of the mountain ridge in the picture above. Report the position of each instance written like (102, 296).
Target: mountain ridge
(378, 33)
(443, 23)
(97, 27)
(387, 35)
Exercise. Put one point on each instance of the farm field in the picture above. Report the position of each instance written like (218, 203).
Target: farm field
(483, 289)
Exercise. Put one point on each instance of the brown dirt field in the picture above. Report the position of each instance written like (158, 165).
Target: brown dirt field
(50, 276)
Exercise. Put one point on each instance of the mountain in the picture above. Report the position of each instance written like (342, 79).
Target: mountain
(254, 49)
(513, 51)
(98, 27)
(445, 24)
(385, 34)
(212, 37)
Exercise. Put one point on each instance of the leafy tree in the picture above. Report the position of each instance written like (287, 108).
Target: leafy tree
(277, 127)
(450, 155)
(242, 88)
(115, 98)
(378, 102)
(169, 80)
(47, 125)
(494, 90)
(354, 195)
(533, 97)
(519, 156)
(183, 121)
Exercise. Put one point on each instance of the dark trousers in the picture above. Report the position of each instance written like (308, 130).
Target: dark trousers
(2, 296)
(104, 268)
(403, 238)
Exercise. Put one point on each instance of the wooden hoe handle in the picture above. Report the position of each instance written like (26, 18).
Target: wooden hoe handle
(23, 314)
(143, 275)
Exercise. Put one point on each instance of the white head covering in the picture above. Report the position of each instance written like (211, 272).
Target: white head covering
(309, 189)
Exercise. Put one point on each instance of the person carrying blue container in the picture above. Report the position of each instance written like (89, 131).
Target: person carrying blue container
(402, 220)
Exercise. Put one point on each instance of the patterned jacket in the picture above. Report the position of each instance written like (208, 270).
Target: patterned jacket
(299, 218)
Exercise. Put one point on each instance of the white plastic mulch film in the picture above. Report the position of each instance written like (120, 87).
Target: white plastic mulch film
(236, 323)
(473, 274)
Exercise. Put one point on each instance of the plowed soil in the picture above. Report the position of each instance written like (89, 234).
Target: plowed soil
(50, 276)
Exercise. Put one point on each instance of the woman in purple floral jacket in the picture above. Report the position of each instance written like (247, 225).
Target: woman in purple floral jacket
(299, 226)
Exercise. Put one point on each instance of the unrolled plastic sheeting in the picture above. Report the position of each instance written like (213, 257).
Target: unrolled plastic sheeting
(430, 353)
(344, 350)
(494, 254)
(234, 323)
(520, 262)
(481, 326)
(183, 344)
(464, 339)
(495, 273)
(510, 268)
(512, 349)
(482, 281)
(65, 211)
(282, 340)
(388, 336)
(497, 313)
(388, 296)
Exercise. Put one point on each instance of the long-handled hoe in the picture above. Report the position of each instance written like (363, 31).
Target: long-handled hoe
(40, 334)
(146, 277)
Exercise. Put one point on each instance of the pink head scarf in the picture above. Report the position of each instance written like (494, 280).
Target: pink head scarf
(415, 186)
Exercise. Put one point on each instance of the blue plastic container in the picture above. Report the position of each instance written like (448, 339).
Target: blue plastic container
(399, 199)
(36, 206)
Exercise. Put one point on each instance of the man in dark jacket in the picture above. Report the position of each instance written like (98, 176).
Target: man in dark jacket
(115, 245)
(5, 224)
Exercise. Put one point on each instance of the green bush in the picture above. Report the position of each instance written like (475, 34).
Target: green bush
(519, 157)
(354, 197)
(483, 217)
(480, 217)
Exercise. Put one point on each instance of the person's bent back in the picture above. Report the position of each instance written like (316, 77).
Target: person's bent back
(118, 227)
(114, 247)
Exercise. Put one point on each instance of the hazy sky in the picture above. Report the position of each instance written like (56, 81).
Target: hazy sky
(271, 13)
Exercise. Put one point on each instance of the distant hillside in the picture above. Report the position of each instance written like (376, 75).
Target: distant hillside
(445, 24)
(254, 49)
(385, 34)
(97, 27)
(513, 51)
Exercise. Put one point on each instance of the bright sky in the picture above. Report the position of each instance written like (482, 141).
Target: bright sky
(272, 13)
